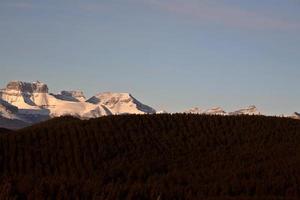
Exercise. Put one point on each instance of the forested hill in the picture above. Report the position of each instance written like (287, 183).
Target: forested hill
(4, 130)
(179, 156)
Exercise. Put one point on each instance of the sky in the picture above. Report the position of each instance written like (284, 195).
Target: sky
(169, 54)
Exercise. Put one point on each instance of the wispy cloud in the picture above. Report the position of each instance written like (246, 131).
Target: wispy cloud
(220, 13)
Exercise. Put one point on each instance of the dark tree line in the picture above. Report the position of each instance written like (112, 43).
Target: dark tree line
(4, 130)
(179, 156)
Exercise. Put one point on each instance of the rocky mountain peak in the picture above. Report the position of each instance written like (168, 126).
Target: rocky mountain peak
(250, 110)
(26, 87)
(215, 111)
(74, 95)
(120, 103)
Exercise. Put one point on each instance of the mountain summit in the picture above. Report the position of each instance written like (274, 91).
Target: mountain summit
(251, 110)
(121, 103)
(35, 87)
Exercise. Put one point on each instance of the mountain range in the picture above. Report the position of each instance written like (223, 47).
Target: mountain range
(24, 103)
(250, 110)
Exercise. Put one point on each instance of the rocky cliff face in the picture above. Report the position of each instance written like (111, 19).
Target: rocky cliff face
(25, 87)
(24, 94)
(74, 95)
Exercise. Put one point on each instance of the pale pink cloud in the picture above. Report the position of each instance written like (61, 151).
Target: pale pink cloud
(218, 13)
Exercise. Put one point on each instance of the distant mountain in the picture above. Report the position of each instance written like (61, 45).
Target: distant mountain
(212, 111)
(25, 103)
(251, 110)
(194, 110)
(161, 112)
(120, 103)
(215, 111)
(32, 103)
(296, 115)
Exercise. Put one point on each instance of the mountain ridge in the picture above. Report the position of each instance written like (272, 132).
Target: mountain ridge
(31, 102)
(34, 103)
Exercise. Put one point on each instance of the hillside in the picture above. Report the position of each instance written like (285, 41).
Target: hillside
(4, 130)
(180, 156)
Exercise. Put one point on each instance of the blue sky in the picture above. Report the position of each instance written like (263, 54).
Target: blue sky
(170, 54)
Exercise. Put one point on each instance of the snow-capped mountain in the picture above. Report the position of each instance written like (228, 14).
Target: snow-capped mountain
(161, 112)
(75, 95)
(212, 111)
(23, 103)
(215, 111)
(120, 103)
(251, 110)
(194, 110)
(296, 115)
(32, 102)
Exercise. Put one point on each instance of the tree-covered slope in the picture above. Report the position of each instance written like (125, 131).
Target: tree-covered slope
(180, 156)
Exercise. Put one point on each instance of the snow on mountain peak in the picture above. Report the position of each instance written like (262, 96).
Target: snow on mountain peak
(215, 111)
(109, 98)
(74, 95)
(120, 103)
(250, 110)
(212, 111)
(31, 102)
(194, 110)
(296, 115)
(161, 112)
